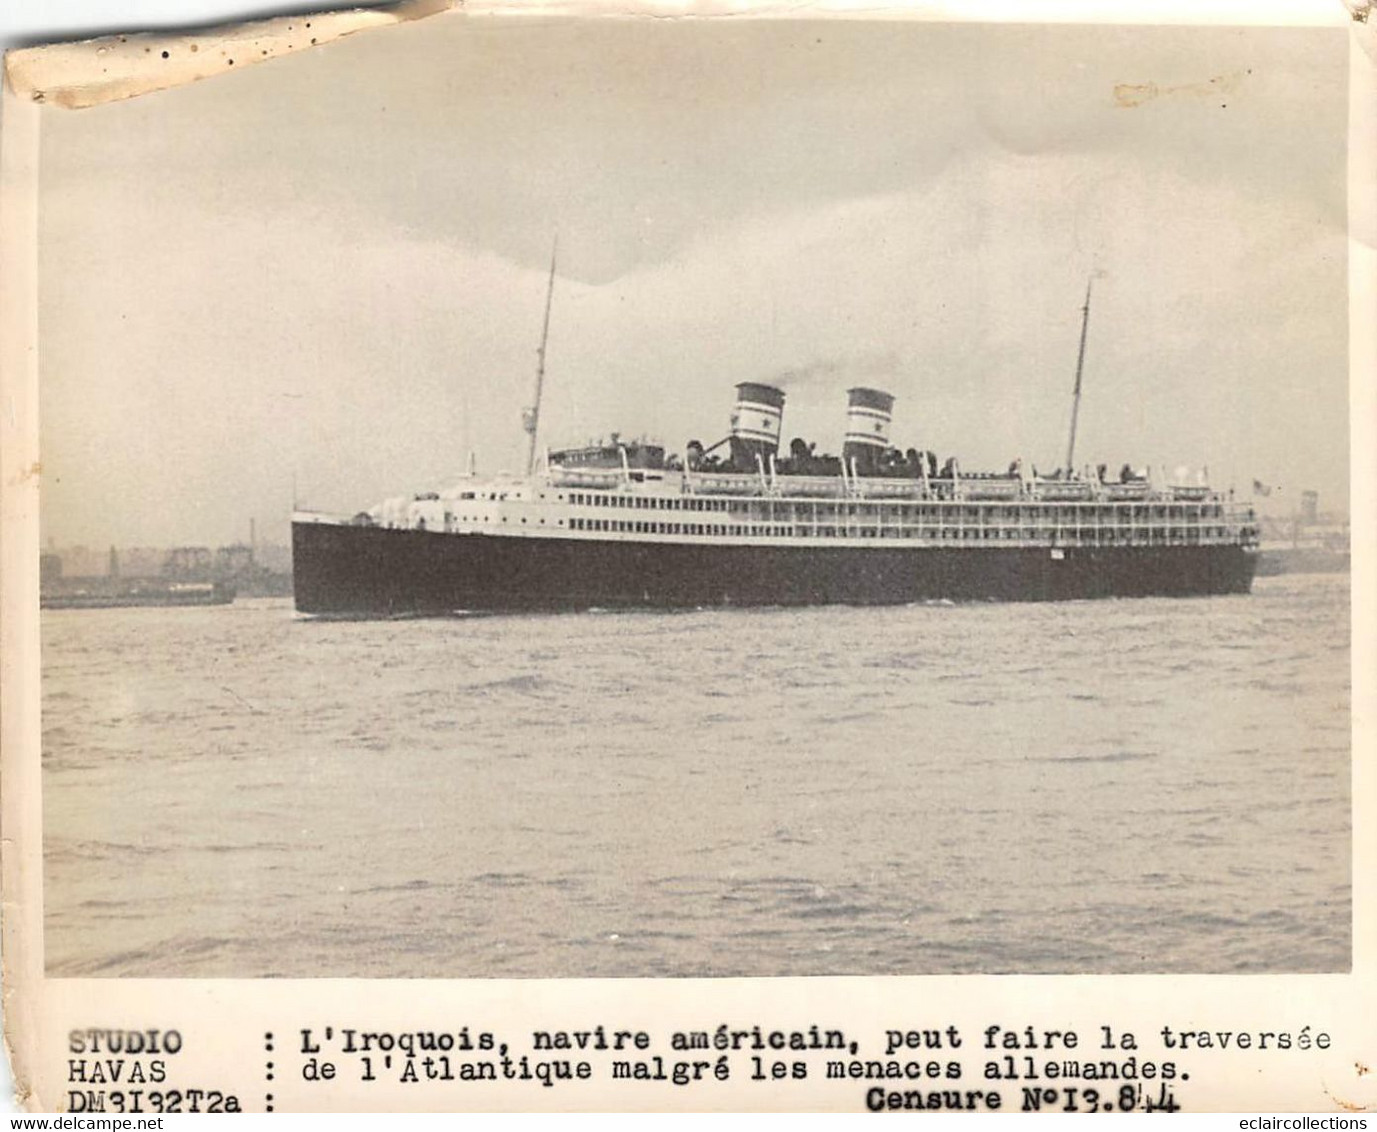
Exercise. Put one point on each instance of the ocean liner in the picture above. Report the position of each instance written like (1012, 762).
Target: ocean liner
(741, 523)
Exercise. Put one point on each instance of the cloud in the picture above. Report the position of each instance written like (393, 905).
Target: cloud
(352, 292)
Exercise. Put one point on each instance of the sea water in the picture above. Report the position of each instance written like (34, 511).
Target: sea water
(1158, 785)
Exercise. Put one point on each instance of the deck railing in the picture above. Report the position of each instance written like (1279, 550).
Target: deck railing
(981, 510)
(970, 487)
(1025, 523)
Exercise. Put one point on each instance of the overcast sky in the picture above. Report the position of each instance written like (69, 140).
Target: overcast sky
(332, 266)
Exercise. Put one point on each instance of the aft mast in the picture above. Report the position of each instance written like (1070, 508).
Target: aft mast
(1080, 365)
(531, 417)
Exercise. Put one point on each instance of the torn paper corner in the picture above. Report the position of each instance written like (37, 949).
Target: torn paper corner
(95, 71)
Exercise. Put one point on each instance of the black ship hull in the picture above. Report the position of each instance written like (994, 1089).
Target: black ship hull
(346, 570)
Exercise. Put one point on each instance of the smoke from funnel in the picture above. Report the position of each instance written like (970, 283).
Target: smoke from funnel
(855, 368)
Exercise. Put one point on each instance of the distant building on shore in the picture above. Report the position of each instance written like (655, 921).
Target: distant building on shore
(249, 570)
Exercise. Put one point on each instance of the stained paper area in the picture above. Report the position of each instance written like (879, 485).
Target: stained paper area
(96, 71)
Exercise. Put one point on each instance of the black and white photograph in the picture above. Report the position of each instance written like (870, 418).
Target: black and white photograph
(559, 498)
